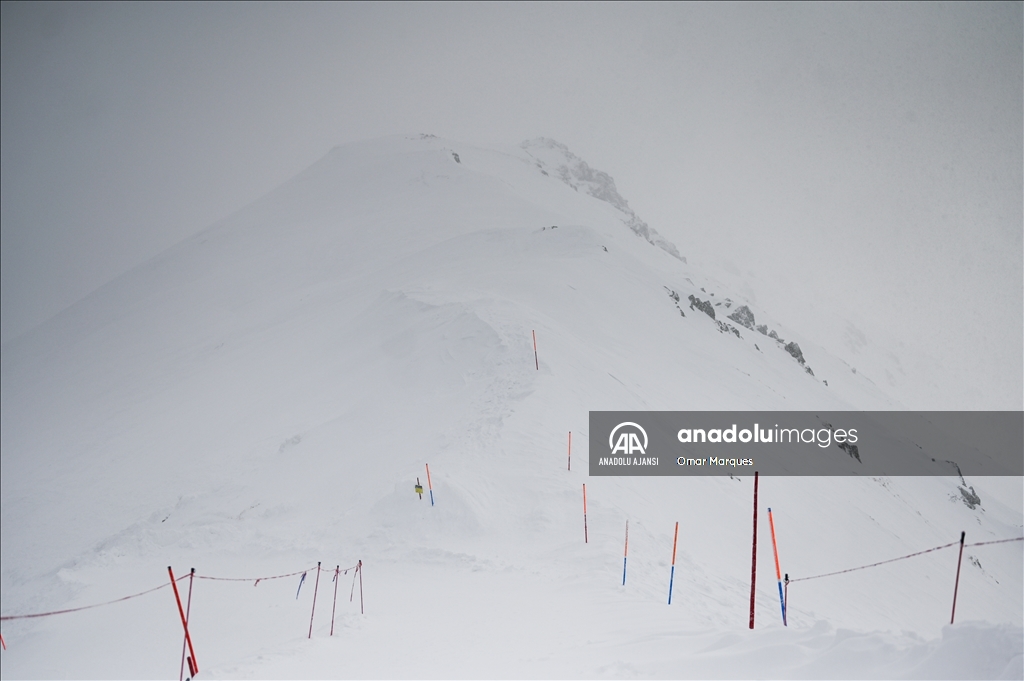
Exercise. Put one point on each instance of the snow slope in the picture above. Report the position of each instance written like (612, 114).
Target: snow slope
(263, 396)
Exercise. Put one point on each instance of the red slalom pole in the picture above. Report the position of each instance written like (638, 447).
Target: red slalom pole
(3, 642)
(314, 600)
(193, 665)
(585, 538)
(430, 485)
(188, 612)
(753, 556)
(536, 361)
(957, 586)
(672, 576)
(337, 571)
(570, 450)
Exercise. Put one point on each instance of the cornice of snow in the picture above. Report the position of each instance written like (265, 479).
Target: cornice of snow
(554, 158)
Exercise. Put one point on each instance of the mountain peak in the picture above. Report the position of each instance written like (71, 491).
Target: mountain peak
(554, 158)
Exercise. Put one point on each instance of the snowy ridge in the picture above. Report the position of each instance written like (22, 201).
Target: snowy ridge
(264, 395)
(555, 157)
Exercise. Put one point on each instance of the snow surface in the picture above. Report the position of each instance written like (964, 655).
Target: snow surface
(264, 395)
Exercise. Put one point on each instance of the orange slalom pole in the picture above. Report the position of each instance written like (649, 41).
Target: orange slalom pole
(778, 572)
(3, 642)
(536, 361)
(570, 450)
(192, 663)
(585, 538)
(672, 576)
(430, 485)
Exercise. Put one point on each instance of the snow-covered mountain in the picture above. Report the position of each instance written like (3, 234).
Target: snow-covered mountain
(265, 394)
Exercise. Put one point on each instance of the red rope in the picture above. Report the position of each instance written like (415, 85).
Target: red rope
(87, 607)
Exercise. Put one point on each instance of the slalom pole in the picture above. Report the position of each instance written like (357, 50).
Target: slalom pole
(672, 575)
(302, 580)
(337, 571)
(778, 572)
(785, 598)
(3, 642)
(753, 556)
(193, 666)
(585, 538)
(570, 450)
(625, 553)
(536, 361)
(956, 587)
(188, 612)
(316, 584)
(430, 486)
(359, 569)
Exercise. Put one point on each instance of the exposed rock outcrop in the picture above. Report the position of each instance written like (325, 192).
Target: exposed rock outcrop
(743, 316)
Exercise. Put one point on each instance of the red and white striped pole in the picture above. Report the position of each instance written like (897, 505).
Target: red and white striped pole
(753, 557)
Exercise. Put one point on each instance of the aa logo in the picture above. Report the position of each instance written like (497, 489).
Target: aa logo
(628, 441)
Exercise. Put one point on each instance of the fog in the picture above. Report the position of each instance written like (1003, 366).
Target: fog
(853, 169)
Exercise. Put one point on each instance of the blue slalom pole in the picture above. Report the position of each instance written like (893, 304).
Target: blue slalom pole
(625, 554)
(672, 576)
(782, 601)
(778, 572)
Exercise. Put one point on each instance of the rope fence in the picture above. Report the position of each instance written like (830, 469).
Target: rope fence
(909, 555)
(256, 581)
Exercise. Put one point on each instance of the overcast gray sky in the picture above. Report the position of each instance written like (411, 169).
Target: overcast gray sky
(862, 159)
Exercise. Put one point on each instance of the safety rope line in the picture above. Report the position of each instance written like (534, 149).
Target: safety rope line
(254, 579)
(997, 541)
(88, 607)
(257, 580)
(910, 555)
